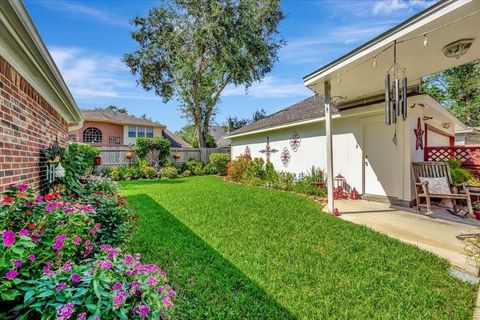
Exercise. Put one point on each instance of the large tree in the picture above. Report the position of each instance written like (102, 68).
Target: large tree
(233, 123)
(458, 89)
(192, 49)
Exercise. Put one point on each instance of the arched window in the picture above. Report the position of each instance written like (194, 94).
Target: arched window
(92, 135)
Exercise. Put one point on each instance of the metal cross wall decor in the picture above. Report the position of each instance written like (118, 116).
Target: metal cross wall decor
(247, 151)
(285, 157)
(295, 142)
(268, 150)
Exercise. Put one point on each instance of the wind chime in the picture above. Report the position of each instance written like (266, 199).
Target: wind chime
(395, 95)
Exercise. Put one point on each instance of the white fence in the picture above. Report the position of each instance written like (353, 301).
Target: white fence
(116, 156)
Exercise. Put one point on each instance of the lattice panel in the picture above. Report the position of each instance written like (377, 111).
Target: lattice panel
(469, 155)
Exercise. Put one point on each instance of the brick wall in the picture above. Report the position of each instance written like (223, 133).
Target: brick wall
(28, 124)
(108, 130)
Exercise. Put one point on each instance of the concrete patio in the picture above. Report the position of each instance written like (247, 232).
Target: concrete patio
(436, 234)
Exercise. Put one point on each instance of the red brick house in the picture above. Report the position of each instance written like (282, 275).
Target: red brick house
(35, 103)
(110, 128)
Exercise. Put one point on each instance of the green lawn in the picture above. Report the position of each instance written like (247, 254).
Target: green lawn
(243, 252)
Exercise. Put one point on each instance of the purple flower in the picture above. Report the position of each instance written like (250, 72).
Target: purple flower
(38, 199)
(143, 310)
(59, 241)
(67, 266)
(105, 247)
(82, 316)
(69, 210)
(134, 284)
(105, 264)
(152, 281)
(167, 302)
(23, 233)
(65, 311)
(8, 238)
(60, 286)
(172, 292)
(12, 273)
(113, 253)
(76, 240)
(118, 300)
(117, 286)
(22, 187)
(31, 257)
(18, 263)
(48, 208)
(75, 277)
(128, 259)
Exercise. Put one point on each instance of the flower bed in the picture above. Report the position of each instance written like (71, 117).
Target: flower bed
(61, 258)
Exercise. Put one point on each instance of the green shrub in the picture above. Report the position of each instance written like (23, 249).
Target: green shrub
(195, 166)
(219, 162)
(149, 172)
(283, 181)
(186, 173)
(77, 160)
(114, 174)
(458, 173)
(256, 169)
(270, 173)
(210, 169)
(102, 184)
(154, 150)
(306, 187)
(168, 172)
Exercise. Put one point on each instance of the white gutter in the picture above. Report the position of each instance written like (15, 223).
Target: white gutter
(281, 126)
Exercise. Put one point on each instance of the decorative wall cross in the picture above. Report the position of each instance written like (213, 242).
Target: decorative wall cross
(419, 135)
(247, 151)
(285, 157)
(295, 141)
(268, 150)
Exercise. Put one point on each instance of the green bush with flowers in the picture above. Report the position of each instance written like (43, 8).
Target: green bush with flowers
(56, 262)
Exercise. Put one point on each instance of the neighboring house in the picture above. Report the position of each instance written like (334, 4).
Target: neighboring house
(176, 141)
(110, 128)
(219, 135)
(36, 106)
(363, 152)
(468, 137)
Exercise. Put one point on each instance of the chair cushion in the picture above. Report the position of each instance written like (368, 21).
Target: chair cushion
(437, 185)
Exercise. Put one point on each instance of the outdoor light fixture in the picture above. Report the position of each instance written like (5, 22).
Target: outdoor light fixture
(446, 125)
(458, 48)
(59, 171)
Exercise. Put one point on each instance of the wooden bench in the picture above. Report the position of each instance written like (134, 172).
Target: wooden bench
(434, 169)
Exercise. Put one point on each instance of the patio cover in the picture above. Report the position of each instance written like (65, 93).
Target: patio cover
(355, 78)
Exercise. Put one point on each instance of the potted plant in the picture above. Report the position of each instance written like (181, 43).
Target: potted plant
(476, 209)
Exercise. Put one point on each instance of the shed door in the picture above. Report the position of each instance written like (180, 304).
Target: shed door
(381, 160)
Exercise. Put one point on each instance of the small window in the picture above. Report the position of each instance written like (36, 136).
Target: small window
(132, 131)
(149, 132)
(92, 135)
(141, 132)
(114, 140)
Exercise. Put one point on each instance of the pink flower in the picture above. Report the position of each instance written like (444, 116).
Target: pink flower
(31, 257)
(59, 242)
(134, 284)
(18, 263)
(128, 258)
(8, 238)
(67, 266)
(152, 281)
(167, 302)
(76, 240)
(82, 316)
(117, 286)
(48, 208)
(143, 311)
(23, 233)
(105, 264)
(75, 277)
(22, 187)
(65, 311)
(60, 286)
(118, 300)
(92, 231)
(97, 226)
(105, 247)
(12, 273)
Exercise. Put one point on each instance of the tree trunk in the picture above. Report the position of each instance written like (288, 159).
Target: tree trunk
(200, 136)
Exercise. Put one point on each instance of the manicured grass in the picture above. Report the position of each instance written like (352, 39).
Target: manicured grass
(243, 252)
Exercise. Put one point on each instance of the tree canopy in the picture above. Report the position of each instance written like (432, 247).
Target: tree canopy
(233, 123)
(187, 133)
(191, 50)
(458, 89)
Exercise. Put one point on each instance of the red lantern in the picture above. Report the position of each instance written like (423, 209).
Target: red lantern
(354, 194)
(97, 160)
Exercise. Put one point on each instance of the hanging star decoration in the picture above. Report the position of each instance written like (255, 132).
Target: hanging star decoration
(285, 157)
(419, 134)
(268, 150)
(295, 142)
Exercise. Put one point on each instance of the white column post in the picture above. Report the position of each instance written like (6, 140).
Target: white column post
(328, 137)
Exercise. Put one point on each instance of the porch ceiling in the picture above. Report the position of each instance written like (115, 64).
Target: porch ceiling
(360, 79)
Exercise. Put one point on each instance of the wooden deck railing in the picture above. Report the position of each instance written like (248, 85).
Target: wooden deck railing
(469, 155)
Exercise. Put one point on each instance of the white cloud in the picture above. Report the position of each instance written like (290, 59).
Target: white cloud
(270, 87)
(92, 75)
(391, 6)
(91, 12)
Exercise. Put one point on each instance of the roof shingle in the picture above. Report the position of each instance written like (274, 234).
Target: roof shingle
(116, 117)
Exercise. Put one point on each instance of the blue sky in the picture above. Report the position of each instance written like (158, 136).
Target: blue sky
(87, 40)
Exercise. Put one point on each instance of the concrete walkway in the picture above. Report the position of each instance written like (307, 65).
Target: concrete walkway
(432, 234)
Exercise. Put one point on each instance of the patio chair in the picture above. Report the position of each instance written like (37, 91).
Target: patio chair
(433, 181)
